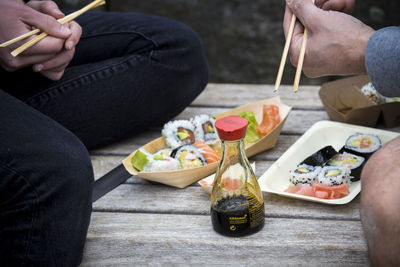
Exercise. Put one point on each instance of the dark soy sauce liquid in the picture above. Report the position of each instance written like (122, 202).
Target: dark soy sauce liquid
(231, 216)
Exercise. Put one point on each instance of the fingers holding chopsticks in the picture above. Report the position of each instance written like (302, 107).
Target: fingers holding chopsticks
(345, 6)
(297, 35)
(306, 12)
(46, 23)
(73, 40)
(47, 7)
(54, 67)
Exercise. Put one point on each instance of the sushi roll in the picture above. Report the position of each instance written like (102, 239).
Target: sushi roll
(370, 91)
(333, 176)
(304, 174)
(178, 133)
(353, 162)
(158, 163)
(165, 152)
(204, 128)
(189, 157)
(320, 157)
(362, 144)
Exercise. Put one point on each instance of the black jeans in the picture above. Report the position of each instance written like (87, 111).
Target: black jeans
(130, 72)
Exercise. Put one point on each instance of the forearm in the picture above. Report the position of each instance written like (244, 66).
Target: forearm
(382, 60)
(18, 1)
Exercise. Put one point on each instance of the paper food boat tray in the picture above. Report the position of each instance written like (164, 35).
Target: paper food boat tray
(276, 178)
(345, 94)
(183, 178)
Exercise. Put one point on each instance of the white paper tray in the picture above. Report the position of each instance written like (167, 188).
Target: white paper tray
(276, 178)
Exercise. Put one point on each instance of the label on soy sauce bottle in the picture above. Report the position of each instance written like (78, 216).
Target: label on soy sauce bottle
(238, 215)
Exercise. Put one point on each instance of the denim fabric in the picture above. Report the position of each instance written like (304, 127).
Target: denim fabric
(130, 72)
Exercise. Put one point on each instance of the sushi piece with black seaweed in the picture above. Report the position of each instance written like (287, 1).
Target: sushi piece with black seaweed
(189, 156)
(362, 145)
(320, 157)
(353, 162)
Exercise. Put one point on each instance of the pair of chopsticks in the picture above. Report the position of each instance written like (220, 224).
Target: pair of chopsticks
(63, 20)
(285, 53)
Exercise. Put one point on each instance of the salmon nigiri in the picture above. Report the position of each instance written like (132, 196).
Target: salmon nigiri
(209, 154)
(271, 119)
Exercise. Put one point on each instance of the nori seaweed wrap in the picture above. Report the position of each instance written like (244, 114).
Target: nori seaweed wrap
(363, 145)
(320, 157)
(189, 156)
(353, 162)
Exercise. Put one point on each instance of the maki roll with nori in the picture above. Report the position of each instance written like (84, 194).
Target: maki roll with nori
(178, 133)
(333, 176)
(304, 174)
(353, 162)
(320, 157)
(362, 144)
(189, 157)
(204, 128)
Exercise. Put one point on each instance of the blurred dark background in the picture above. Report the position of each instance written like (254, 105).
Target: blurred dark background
(243, 39)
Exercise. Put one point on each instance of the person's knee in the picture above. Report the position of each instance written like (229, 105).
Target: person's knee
(380, 201)
(380, 180)
(71, 166)
(185, 51)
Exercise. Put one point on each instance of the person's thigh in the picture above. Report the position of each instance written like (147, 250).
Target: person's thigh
(130, 71)
(46, 181)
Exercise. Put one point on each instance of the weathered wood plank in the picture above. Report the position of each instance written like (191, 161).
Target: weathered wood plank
(186, 240)
(155, 198)
(232, 95)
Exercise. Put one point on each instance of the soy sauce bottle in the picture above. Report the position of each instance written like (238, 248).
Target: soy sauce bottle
(237, 205)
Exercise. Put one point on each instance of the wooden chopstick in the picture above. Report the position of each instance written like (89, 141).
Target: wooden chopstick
(33, 32)
(285, 53)
(63, 20)
(19, 38)
(301, 60)
(284, 56)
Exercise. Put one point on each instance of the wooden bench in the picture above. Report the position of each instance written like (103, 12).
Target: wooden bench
(144, 223)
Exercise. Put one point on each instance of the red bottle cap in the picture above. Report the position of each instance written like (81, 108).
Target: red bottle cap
(231, 128)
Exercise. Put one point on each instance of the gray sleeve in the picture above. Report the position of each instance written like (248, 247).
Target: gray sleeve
(382, 59)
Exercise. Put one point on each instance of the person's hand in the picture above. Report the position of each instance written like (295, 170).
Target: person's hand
(336, 41)
(49, 56)
(346, 6)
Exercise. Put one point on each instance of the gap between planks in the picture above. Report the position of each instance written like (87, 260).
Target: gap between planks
(282, 216)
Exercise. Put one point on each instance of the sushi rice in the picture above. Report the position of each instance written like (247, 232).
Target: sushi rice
(172, 136)
(362, 144)
(333, 176)
(304, 174)
(204, 128)
(370, 91)
(159, 165)
(189, 156)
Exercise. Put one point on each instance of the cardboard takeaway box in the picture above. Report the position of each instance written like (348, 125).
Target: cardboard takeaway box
(344, 102)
